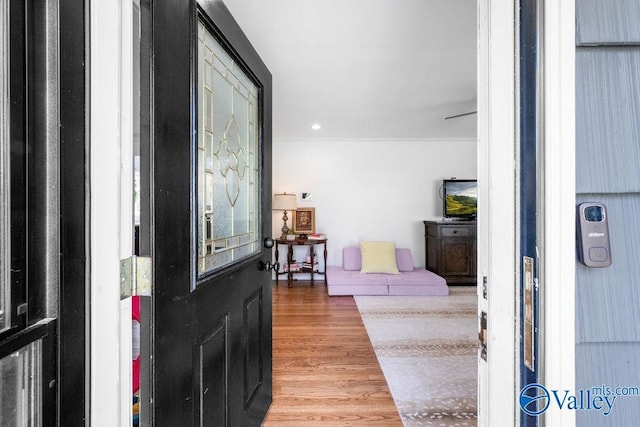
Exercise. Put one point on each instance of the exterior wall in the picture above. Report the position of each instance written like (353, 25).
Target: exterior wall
(370, 189)
(607, 159)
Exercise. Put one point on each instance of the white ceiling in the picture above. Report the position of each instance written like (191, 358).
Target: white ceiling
(391, 69)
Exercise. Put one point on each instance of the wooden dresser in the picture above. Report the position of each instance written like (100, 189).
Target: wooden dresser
(450, 250)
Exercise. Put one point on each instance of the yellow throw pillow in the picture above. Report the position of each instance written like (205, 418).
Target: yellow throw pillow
(378, 257)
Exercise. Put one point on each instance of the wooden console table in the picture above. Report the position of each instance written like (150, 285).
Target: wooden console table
(312, 268)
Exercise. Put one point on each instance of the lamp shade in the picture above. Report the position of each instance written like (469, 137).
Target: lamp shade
(284, 202)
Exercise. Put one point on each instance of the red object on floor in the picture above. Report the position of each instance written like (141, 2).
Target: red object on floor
(135, 315)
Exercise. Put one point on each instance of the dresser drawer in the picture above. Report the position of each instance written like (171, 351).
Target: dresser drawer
(457, 232)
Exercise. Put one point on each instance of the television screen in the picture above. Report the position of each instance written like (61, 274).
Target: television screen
(460, 197)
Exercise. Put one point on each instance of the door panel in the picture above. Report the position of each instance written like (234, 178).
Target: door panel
(254, 330)
(211, 364)
(211, 327)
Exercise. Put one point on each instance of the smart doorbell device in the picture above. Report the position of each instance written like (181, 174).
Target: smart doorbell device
(593, 235)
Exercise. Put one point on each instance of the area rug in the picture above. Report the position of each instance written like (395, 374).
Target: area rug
(427, 349)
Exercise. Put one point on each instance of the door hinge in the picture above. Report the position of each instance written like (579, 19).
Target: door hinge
(135, 276)
(22, 309)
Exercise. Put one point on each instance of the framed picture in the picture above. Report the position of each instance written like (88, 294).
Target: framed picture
(304, 221)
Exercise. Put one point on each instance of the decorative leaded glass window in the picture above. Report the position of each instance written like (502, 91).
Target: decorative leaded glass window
(228, 159)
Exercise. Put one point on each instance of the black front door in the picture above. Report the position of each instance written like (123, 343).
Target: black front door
(210, 213)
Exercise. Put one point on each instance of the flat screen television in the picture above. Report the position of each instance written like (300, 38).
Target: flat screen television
(460, 198)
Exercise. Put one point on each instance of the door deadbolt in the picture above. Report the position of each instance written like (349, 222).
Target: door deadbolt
(268, 242)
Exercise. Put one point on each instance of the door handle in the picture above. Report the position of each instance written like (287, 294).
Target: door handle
(268, 266)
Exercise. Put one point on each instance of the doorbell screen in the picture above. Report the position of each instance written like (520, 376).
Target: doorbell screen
(594, 213)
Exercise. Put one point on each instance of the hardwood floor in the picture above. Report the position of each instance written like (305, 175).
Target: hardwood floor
(325, 371)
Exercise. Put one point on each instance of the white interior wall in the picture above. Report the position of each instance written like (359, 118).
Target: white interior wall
(370, 189)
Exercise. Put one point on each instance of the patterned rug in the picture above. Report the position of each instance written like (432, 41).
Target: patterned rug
(427, 348)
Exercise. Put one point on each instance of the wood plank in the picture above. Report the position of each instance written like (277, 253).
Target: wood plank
(324, 368)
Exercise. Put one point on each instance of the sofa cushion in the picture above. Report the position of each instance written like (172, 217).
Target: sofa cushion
(417, 277)
(339, 277)
(378, 257)
(341, 282)
(404, 260)
(351, 259)
(334, 290)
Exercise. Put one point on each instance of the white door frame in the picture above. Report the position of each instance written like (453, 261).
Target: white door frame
(110, 171)
(559, 203)
(496, 215)
(498, 387)
(111, 209)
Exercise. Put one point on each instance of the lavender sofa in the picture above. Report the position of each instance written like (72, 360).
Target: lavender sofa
(348, 280)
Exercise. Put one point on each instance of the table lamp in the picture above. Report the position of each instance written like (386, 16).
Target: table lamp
(284, 202)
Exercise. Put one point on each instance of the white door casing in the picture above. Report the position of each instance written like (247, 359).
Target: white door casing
(496, 228)
(498, 387)
(558, 257)
(111, 209)
(496, 209)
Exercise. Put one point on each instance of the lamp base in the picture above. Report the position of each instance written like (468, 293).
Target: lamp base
(285, 228)
(285, 231)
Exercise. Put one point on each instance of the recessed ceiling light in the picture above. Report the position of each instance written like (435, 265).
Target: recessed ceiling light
(316, 126)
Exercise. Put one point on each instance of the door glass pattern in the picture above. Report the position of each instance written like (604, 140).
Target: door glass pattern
(21, 385)
(228, 159)
(5, 234)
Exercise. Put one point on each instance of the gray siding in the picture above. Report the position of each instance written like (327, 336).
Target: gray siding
(617, 364)
(608, 299)
(607, 21)
(608, 171)
(607, 111)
